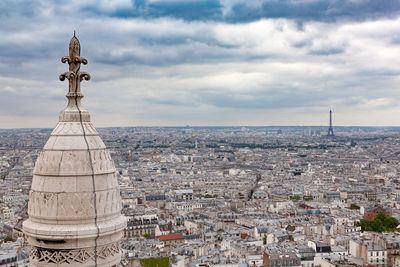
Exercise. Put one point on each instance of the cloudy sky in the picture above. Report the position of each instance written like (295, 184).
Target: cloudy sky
(204, 62)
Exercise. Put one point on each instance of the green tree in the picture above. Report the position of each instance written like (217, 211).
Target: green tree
(146, 235)
(381, 216)
(153, 262)
(381, 223)
(8, 239)
(391, 222)
(377, 226)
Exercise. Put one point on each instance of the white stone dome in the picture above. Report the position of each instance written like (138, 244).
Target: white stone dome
(74, 204)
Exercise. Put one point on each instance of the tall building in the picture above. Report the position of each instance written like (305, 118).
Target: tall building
(330, 129)
(74, 204)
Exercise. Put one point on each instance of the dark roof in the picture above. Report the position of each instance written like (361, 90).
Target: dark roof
(155, 197)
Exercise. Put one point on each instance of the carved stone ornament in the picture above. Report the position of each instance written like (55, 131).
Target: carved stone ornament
(74, 75)
(42, 255)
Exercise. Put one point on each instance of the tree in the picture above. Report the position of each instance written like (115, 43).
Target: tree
(377, 226)
(381, 223)
(391, 222)
(381, 216)
(7, 239)
(147, 235)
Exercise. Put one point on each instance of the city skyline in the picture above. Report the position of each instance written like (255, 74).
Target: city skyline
(159, 63)
(194, 162)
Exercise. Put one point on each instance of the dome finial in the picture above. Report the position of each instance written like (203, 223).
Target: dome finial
(74, 75)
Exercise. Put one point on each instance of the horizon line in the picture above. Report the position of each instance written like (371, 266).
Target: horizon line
(219, 126)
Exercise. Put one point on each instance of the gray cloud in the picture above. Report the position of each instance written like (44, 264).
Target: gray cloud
(236, 63)
(237, 11)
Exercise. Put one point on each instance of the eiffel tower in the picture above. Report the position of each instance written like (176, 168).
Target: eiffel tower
(330, 130)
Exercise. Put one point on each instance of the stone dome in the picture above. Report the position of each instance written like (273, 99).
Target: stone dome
(74, 203)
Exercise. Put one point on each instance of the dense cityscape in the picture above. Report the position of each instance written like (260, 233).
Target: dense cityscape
(234, 196)
(213, 133)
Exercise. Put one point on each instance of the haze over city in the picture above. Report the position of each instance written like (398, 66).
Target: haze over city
(177, 63)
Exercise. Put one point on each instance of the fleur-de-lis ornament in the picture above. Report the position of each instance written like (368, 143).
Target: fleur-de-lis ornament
(74, 75)
(74, 110)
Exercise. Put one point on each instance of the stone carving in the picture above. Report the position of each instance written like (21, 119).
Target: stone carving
(67, 205)
(76, 205)
(74, 116)
(74, 60)
(74, 128)
(65, 128)
(43, 255)
(108, 202)
(73, 205)
(48, 161)
(102, 162)
(74, 162)
(45, 205)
